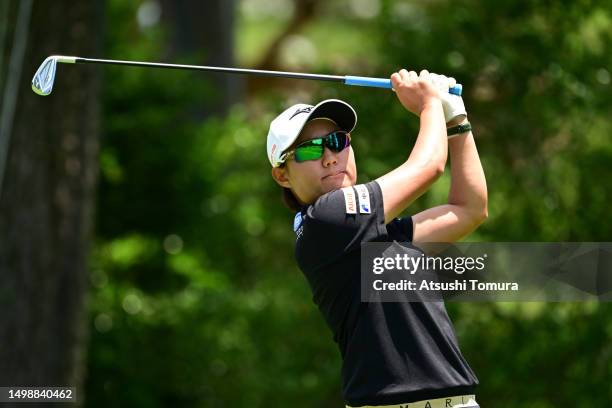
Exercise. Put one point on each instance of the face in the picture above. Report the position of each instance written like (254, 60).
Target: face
(311, 179)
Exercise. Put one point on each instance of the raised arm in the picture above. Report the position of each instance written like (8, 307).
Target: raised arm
(427, 160)
(467, 198)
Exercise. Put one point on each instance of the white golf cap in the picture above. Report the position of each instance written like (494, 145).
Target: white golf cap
(286, 127)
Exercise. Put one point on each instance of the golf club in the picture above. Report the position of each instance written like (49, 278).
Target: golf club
(42, 83)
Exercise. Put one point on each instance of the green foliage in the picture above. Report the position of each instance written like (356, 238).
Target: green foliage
(536, 89)
(197, 300)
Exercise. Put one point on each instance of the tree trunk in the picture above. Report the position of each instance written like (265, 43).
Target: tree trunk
(205, 29)
(46, 206)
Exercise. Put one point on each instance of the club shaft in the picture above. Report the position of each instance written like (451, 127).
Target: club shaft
(347, 79)
(295, 75)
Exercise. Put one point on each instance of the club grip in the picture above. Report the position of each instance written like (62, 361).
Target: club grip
(386, 83)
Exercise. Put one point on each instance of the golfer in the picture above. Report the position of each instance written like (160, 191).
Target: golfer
(395, 354)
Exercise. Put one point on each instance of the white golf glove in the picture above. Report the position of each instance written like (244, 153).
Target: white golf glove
(451, 103)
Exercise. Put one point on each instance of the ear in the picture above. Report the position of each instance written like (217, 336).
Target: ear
(279, 174)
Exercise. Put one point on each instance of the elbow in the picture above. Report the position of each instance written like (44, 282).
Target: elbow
(480, 208)
(474, 219)
(481, 214)
(432, 173)
(429, 166)
(439, 170)
(484, 211)
(436, 168)
(440, 164)
(427, 171)
(477, 213)
(436, 171)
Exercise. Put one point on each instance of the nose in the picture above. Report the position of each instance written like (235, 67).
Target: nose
(329, 158)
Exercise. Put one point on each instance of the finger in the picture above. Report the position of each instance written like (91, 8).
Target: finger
(435, 79)
(442, 82)
(404, 74)
(412, 75)
(451, 82)
(424, 74)
(396, 79)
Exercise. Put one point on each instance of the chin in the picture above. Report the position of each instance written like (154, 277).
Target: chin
(330, 185)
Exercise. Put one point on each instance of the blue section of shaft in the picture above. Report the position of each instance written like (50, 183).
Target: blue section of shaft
(386, 83)
(367, 81)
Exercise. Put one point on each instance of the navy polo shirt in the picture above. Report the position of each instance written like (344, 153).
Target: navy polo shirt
(392, 353)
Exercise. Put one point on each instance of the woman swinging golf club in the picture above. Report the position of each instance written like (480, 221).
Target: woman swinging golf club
(398, 354)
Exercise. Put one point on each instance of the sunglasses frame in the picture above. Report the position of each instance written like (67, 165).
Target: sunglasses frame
(291, 153)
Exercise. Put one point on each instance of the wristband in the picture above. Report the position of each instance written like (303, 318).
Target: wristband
(456, 130)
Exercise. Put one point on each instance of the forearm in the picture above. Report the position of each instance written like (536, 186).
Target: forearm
(406, 183)
(427, 159)
(468, 184)
(430, 150)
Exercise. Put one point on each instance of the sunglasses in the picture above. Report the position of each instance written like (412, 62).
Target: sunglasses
(313, 149)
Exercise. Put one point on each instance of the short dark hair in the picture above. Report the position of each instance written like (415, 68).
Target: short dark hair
(290, 201)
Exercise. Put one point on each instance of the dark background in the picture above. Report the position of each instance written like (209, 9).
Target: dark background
(145, 255)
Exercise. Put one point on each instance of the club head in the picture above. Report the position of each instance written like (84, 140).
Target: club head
(42, 83)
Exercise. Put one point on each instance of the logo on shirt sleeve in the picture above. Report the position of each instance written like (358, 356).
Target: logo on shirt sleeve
(297, 221)
(364, 199)
(298, 228)
(350, 201)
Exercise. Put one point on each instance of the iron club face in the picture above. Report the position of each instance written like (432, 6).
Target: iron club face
(43, 80)
(42, 83)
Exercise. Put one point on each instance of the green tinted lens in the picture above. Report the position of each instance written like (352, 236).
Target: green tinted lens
(336, 141)
(312, 150)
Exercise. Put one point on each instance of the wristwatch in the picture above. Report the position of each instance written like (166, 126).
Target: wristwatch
(462, 128)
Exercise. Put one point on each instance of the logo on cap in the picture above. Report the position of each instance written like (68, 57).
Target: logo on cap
(302, 110)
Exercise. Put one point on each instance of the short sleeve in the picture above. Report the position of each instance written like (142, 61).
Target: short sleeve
(401, 229)
(339, 221)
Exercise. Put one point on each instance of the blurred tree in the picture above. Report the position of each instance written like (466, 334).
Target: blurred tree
(304, 13)
(198, 301)
(47, 204)
(204, 30)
